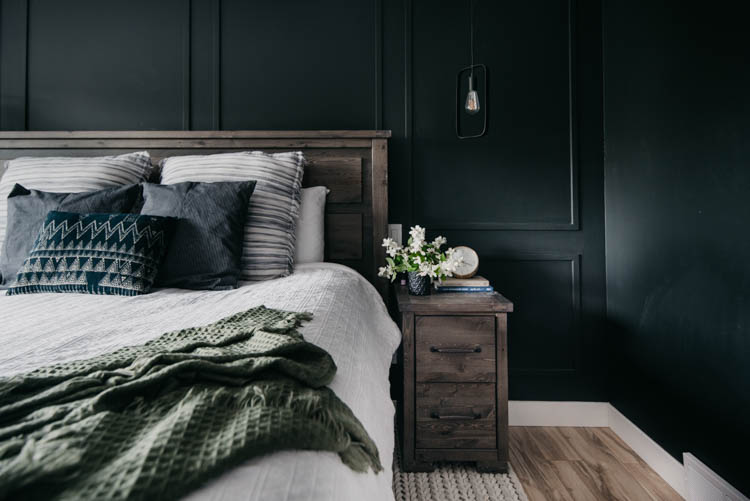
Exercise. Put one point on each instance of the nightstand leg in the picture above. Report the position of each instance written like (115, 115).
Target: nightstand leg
(492, 466)
(411, 465)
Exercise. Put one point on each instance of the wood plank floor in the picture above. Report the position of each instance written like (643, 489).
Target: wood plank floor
(582, 464)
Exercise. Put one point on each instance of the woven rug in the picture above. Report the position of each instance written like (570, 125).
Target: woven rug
(454, 482)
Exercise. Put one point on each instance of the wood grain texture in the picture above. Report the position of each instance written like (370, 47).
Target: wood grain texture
(195, 134)
(455, 416)
(343, 236)
(455, 380)
(408, 423)
(428, 456)
(379, 198)
(501, 341)
(353, 164)
(442, 343)
(587, 464)
(343, 176)
(437, 304)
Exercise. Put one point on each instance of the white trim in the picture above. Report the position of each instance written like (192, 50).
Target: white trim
(704, 484)
(600, 414)
(667, 467)
(694, 481)
(537, 413)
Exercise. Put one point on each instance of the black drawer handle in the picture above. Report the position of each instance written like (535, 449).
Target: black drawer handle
(455, 417)
(476, 349)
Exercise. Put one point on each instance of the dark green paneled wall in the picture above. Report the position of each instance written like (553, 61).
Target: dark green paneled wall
(528, 196)
(677, 125)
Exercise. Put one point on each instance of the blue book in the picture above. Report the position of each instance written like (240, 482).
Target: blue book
(455, 288)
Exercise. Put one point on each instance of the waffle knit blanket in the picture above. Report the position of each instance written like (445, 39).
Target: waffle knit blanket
(156, 420)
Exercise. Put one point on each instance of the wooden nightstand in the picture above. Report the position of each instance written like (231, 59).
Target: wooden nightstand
(455, 400)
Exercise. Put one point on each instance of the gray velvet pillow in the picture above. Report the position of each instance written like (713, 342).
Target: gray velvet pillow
(205, 251)
(28, 208)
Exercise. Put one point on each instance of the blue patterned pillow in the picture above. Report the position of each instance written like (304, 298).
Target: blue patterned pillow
(95, 254)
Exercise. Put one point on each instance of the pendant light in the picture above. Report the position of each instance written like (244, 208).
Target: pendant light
(470, 113)
(471, 105)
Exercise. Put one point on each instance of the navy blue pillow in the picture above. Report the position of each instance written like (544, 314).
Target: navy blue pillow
(95, 254)
(206, 248)
(28, 208)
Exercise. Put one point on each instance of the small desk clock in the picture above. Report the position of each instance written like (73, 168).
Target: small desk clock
(468, 268)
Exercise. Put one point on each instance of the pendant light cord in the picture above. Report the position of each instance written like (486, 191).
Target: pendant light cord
(471, 35)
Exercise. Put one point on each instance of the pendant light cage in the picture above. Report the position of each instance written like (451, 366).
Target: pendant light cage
(460, 103)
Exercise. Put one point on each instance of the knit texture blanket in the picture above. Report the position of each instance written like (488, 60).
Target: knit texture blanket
(155, 421)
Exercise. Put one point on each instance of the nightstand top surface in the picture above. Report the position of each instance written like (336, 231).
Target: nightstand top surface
(452, 302)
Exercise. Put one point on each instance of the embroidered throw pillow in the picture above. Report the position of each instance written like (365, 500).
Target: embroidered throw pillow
(268, 244)
(95, 254)
(71, 175)
(28, 208)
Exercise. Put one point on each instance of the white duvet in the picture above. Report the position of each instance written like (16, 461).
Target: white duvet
(350, 321)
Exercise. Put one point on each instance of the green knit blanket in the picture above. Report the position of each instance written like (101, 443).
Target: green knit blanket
(155, 421)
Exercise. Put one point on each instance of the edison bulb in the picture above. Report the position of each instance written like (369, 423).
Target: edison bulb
(472, 102)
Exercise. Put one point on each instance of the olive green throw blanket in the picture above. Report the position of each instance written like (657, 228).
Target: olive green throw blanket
(157, 420)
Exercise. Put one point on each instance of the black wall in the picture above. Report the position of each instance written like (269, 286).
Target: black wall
(528, 196)
(677, 127)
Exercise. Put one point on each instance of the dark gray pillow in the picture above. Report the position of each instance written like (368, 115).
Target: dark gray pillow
(28, 208)
(206, 248)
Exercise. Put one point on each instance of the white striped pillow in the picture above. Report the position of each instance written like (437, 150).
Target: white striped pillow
(71, 175)
(268, 244)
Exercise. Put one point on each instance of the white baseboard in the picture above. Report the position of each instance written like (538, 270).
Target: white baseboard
(668, 468)
(601, 414)
(702, 483)
(537, 413)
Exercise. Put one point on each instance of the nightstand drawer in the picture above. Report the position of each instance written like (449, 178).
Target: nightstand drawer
(455, 349)
(455, 416)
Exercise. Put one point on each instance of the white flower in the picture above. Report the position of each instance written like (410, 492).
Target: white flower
(452, 260)
(392, 248)
(424, 257)
(427, 269)
(417, 235)
(386, 271)
(447, 268)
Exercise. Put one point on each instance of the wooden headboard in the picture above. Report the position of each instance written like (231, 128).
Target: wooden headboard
(353, 164)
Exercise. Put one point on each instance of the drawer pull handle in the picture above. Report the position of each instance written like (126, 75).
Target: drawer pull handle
(455, 417)
(476, 349)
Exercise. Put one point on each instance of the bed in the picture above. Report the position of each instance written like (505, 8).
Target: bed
(350, 319)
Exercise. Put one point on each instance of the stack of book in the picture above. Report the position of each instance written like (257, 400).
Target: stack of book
(467, 285)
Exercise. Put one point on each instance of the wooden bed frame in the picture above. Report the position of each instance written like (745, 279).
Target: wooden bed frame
(353, 164)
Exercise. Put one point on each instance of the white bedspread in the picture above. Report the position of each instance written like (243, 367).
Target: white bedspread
(350, 321)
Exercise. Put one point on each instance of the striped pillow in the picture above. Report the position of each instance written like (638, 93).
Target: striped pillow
(71, 175)
(268, 244)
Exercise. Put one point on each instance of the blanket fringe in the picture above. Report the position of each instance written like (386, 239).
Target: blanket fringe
(54, 420)
(291, 321)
